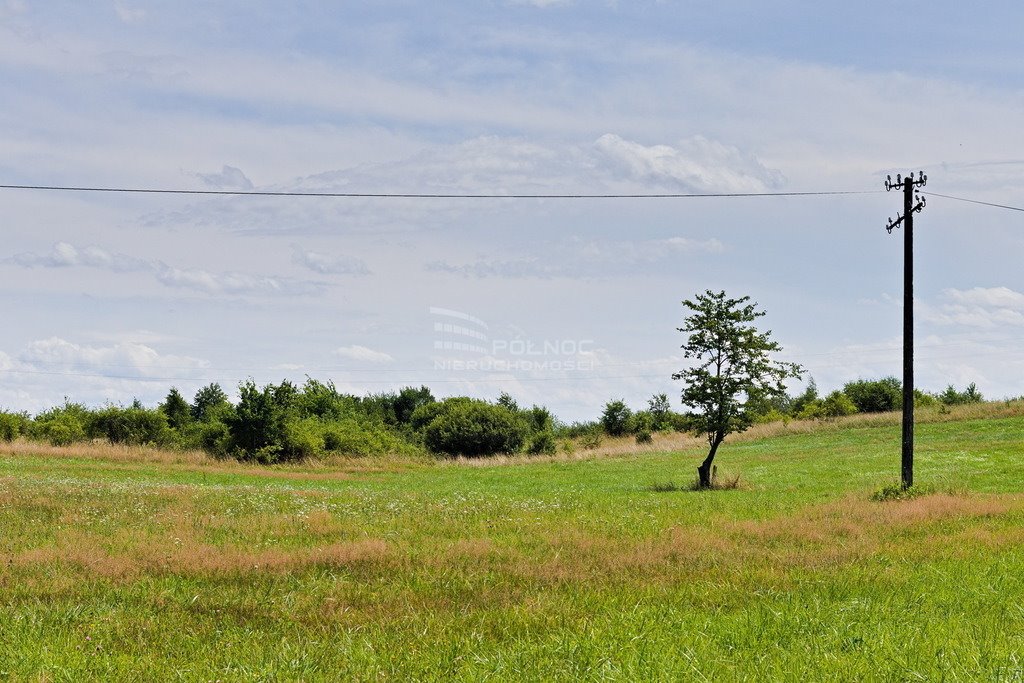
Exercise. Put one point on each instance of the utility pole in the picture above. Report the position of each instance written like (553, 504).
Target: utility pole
(912, 203)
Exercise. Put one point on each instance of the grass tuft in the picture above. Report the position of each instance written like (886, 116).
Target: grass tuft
(896, 491)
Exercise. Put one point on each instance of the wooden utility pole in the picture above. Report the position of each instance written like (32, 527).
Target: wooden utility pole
(912, 203)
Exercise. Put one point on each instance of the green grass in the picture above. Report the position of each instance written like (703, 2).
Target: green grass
(128, 569)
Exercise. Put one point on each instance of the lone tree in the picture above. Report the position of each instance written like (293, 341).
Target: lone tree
(732, 369)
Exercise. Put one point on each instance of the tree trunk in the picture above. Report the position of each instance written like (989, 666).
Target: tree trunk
(704, 471)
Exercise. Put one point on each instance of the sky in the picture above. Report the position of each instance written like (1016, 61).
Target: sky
(107, 297)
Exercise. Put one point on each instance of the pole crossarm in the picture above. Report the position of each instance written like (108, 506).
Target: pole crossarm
(902, 183)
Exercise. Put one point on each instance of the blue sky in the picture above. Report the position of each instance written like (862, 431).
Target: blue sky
(109, 297)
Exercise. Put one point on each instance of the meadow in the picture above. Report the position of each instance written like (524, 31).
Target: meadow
(138, 564)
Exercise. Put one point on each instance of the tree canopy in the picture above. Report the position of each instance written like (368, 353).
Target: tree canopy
(731, 369)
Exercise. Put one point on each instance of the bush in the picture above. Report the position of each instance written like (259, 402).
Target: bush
(473, 428)
(63, 430)
(350, 437)
(644, 437)
(952, 397)
(542, 443)
(615, 418)
(177, 410)
(61, 426)
(215, 438)
(208, 400)
(590, 440)
(130, 426)
(837, 404)
(12, 425)
(303, 439)
(875, 396)
(257, 426)
(660, 411)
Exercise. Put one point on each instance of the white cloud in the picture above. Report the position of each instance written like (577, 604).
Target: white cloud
(119, 360)
(128, 13)
(978, 307)
(64, 255)
(696, 164)
(229, 178)
(325, 264)
(234, 284)
(363, 354)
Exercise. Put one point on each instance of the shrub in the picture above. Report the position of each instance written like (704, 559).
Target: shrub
(61, 426)
(207, 401)
(473, 428)
(875, 396)
(350, 437)
(538, 419)
(63, 430)
(615, 418)
(542, 443)
(641, 425)
(952, 397)
(177, 409)
(837, 404)
(131, 426)
(810, 410)
(660, 410)
(12, 425)
(214, 437)
(303, 439)
(257, 425)
(590, 440)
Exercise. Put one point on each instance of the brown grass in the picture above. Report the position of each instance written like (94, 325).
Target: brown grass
(175, 556)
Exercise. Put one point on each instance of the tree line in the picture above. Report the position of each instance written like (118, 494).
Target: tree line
(286, 422)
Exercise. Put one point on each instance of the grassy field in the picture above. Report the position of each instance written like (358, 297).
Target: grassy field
(140, 565)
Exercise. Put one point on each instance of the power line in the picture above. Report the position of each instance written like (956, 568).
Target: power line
(974, 201)
(428, 195)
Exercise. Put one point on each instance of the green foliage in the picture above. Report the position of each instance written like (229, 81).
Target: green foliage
(214, 437)
(615, 418)
(732, 368)
(506, 401)
(837, 404)
(875, 396)
(63, 425)
(538, 419)
(257, 426)
(176, 409)
(660, 410)
(641, 425)
(408, 400)
(13, 425)
(302, 439)
(542, 443)
(350, 437)
(923, 399)
(132, 426)
(951, 397)
(590, 440)
(897, 491)
(208, 400)
(473, 428)
(808, 397)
